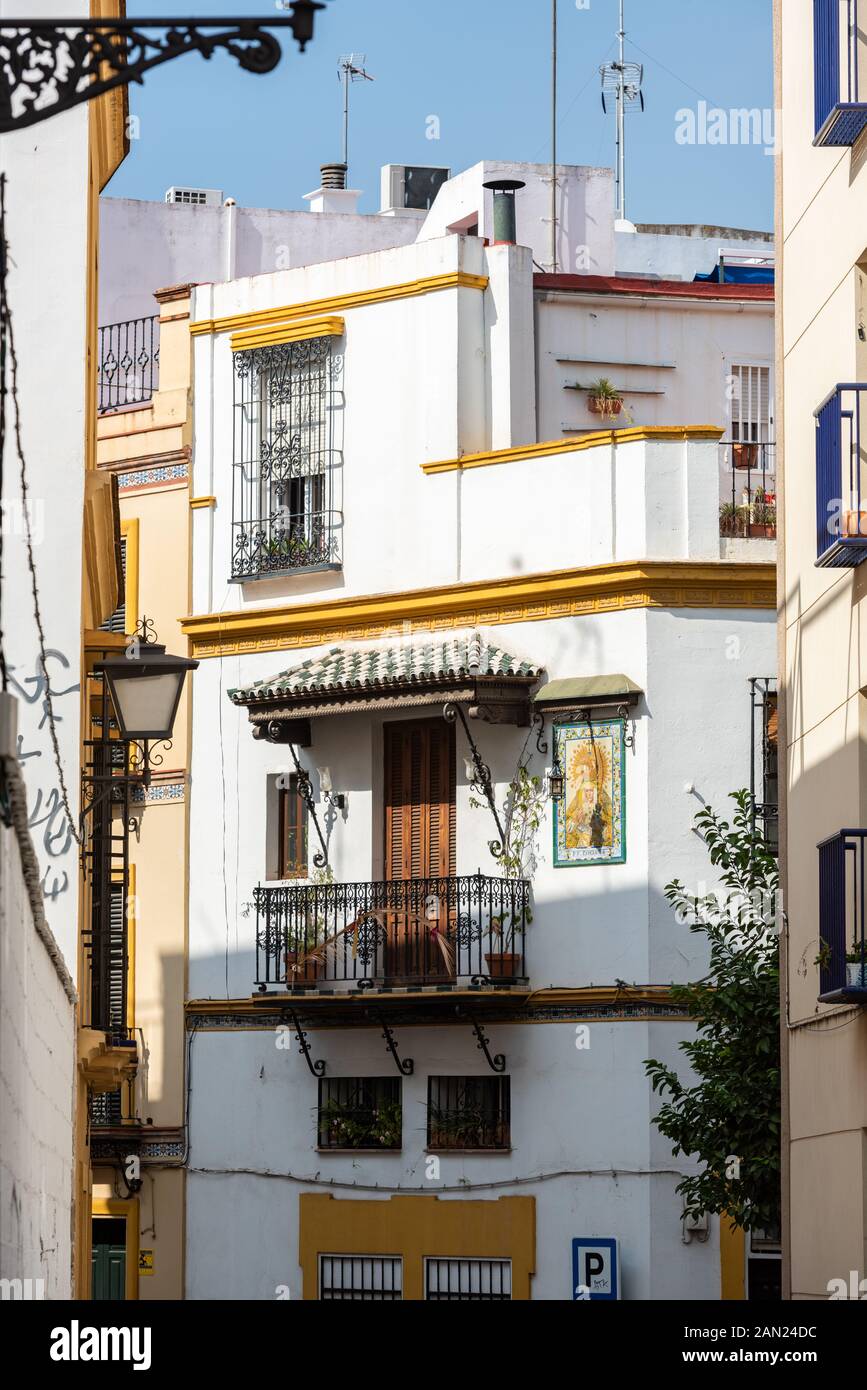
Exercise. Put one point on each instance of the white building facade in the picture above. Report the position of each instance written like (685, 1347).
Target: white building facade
(419, 590)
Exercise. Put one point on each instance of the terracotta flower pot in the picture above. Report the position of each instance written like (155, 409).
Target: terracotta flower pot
(503, 965)
(605, 405)
(853, 524)
(307, 973)
(762, 532)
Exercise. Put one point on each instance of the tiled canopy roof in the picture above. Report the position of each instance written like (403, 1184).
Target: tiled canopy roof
(350, 670)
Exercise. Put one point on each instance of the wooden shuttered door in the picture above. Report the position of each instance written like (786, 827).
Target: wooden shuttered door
(419, 799)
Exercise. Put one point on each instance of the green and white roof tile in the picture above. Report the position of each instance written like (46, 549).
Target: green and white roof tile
(352, 670)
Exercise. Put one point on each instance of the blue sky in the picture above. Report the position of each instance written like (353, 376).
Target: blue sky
(482, 67)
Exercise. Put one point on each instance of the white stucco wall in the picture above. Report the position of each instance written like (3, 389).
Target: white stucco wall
(37, 1060)
(681, 253)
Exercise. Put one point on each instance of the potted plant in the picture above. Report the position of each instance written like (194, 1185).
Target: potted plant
(763, 522)
(604, 399)
(856, 966)
(351, 1127)
(854, 524)
(745, 455)
(303, 967)
(504, 964)
(732, 520)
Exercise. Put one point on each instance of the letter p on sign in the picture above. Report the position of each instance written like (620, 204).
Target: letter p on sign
(595, 1268)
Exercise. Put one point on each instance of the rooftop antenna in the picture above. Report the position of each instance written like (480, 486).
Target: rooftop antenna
(622, 81)
(351, 69)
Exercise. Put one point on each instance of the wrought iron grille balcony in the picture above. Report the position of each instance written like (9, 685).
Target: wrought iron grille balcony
(841, 481)
(748, 501)
(285, 516)
(840, 112)
(843, 947)
(429, 931)
(129, 356)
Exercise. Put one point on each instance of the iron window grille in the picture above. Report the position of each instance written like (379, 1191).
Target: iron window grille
(284, 517)
(842, 915)
(360, 1112)
(840, 110)
(764, 759)
(105, 1109)
(468, 1112)
(475, 1281)
(129, 358)
(361, 1278)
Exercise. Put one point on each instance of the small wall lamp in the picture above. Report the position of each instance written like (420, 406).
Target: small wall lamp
(335, 799)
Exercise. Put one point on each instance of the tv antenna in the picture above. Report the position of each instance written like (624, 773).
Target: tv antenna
(350, 69)
(622, 82)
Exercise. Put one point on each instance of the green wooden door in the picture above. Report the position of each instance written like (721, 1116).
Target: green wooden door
(109, 1259)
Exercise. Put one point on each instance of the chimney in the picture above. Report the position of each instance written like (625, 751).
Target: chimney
(504, 191)
(332, 195)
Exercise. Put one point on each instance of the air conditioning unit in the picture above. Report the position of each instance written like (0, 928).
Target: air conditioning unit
(196, 197)
(411, 187)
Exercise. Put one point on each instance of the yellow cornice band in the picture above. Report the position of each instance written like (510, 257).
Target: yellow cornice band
(573, 446)
(196, 502)
(329, 327)
(516, 599)
(453, 280)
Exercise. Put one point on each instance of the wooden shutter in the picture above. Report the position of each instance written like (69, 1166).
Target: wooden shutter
(419, 799)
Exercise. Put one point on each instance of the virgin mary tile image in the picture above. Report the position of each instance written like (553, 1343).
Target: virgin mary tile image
(590, 818)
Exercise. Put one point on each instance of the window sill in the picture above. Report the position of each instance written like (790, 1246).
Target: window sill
(431, 1150)
(328, 568)
(332, 1149)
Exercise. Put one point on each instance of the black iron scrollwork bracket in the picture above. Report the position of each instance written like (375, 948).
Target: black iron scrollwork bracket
(305, 791)
(405, 1067)
(316, 1068)
(539, 724)
(498, 1061)
(50, 65)
(481, 779)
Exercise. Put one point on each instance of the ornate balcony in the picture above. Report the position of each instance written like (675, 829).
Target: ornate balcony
(129, 357)
(404, 933)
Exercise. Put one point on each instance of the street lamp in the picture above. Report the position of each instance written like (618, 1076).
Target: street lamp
(145, 686)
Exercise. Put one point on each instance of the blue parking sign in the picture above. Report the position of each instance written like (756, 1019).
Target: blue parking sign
(595, 1271)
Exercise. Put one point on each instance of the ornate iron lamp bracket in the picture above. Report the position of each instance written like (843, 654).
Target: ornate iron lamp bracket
(405, 1067)
(316, 1068)
(51, 65)
(539, 724)
(305, 791)
(482, 778)
(498, 1061)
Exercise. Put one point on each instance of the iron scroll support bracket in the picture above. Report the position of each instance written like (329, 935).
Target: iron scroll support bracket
(277, 734)
(316, 1068)
(498, 1061)
(51, 65)
(405, 1067)
(482, 777)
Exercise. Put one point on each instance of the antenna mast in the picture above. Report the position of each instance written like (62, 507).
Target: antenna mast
(622, 81)
(351, 69)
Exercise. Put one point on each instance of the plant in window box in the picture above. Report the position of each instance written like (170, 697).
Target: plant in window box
(856, 966)
(360, 1127)
(604, 399)
(764, 516)
(470, 1127)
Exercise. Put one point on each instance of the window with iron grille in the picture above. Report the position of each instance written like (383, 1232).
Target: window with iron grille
(468, 1112)
(284, 516)
(460, 1281)
(366, 1278)
(358, 1112)
(105, 1108)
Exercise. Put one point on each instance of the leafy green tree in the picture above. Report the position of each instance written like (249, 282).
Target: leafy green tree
(730, 1119)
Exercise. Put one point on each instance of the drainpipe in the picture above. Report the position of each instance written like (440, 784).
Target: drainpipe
(230, 241)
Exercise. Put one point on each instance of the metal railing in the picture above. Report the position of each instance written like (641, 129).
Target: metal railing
(841, 478)
(839, 109)
(748, 489)
(843, 948)
(129, 355)
(285, 541)
(413, 931)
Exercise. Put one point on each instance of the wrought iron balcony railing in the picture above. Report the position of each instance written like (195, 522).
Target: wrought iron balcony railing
(841, 481)
(748, 502)
(840, 111)
(286, 542)
(129, 355)
(430, 931)
(843, 946)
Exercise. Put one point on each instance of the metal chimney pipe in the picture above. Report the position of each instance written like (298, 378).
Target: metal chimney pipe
(504, 191)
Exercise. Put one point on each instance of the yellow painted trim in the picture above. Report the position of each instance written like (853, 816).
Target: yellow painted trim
(103, 1206)
(415, 1228)
(516, 599)
(330, 327)
(129, 530)
(732, 1261)
(196, 502)
(574, 446)
(453, 280)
